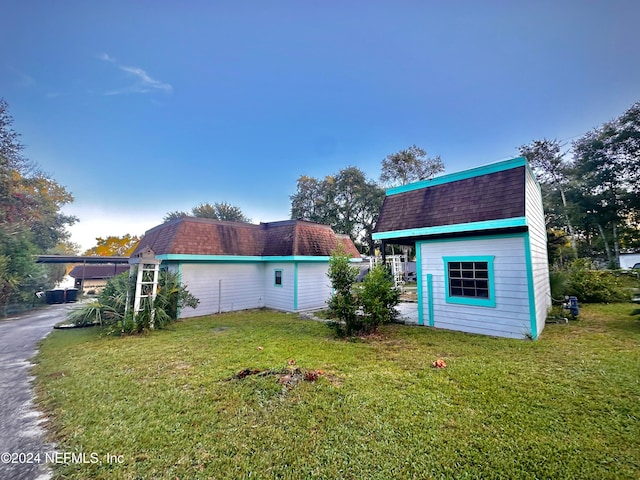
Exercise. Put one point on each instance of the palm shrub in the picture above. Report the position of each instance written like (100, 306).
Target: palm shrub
(114, 306)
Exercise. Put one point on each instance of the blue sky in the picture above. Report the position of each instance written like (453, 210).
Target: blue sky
(140, 108)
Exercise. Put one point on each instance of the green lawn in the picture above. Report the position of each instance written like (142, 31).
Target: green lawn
(565, 406)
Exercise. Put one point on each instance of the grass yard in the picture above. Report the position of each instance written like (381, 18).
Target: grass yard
(565, 406)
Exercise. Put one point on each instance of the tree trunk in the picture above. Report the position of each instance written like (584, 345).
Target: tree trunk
(616, 247)
(606, 244)
(569, 226)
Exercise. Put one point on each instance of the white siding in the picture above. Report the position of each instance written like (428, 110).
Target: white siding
(314, 286)
(510, 317)
(239, 286)
(279, 297)
(538, 244)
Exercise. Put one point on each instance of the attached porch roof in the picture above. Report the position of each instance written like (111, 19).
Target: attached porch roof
(484, 199)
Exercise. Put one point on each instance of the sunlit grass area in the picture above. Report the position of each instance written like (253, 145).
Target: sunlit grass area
(565, 406)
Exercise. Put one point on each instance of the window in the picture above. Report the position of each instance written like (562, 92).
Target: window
(470, 280)
(277, 281)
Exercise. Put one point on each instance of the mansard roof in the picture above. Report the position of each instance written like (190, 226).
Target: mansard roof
(495, 192)
(202, 236)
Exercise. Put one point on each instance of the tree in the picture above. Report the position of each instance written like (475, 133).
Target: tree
(347, 201)
(547, 161)
(409, 165)
(174, 215)
(607, 162)
(114, 246)
(31, 221)
(218, 211)
(310, 202)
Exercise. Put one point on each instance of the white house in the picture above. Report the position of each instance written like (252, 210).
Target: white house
(236, 266)
(481, 248)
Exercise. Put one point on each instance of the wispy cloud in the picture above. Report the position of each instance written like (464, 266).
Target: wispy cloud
(23, 79)
(143, 82)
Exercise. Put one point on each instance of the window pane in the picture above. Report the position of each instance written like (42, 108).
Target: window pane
(469, 279)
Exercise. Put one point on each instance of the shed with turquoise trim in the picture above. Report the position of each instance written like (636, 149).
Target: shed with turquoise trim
(233, 266)
(481, 248)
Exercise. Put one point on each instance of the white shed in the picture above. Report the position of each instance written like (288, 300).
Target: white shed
(481, 248)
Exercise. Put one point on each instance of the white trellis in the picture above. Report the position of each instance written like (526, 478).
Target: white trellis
(145, 267)
(395, 262)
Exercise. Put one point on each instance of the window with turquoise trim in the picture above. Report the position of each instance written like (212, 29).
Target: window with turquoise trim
(277, 278)
(470, 280)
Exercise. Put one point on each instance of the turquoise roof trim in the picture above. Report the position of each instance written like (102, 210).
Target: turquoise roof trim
(454, 177)
(456, 228)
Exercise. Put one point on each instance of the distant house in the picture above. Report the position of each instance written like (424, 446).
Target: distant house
(89, 278)
(481, 248)
(236, 266)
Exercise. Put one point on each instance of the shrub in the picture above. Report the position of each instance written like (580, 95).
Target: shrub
(117, 298)
(360, 308)
(379, 297)
(343, 302)
(593, 286)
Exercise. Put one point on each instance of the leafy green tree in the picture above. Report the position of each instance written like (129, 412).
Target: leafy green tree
(31, 220)
(216, 211)
(607, 165)
(312, 200)
(409, 165)
(347, 201)
(554, 174)
(174, 215)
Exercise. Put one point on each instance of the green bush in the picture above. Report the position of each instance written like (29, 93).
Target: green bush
(114, 306)
(343, 302)
(379, 297)
(593, 286)
(360, 308)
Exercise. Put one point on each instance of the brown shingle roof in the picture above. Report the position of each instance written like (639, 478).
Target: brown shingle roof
(201, 236)
(492, 196)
